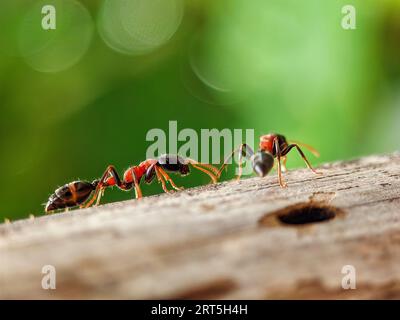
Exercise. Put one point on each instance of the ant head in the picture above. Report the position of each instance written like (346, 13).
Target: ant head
(263, 162)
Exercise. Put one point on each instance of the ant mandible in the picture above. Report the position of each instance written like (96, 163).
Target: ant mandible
(271, 146)
(78, 192)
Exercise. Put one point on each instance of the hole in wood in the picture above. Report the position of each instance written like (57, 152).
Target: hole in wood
(307, 214)
(301, 214)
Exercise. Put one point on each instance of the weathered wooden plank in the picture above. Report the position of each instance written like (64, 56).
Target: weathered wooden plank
(221, 241)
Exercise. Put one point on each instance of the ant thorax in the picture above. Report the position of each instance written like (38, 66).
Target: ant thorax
(267, 142)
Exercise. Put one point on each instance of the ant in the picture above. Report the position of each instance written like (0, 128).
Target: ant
(271, 146)
(77, 192)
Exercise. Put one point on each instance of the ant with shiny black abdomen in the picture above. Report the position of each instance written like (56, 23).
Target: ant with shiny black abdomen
(271, 146)
(78, 192)
(70, 195)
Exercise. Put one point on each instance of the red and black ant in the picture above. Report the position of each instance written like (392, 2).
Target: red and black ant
(77, 192)
(271, 146)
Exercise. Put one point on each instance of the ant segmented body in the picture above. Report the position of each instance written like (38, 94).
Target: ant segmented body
(71, 196)
(271, 146)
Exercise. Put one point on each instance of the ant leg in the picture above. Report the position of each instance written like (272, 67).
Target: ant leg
(161, 179)
(207, 166)
(138, 191)
(278, 155)
(101, 194)
(95, 196)
(168, 178)
(208, 169)
(99, 189)
(244, 150)
(310, 148)
(227, 159)
(240, 158)
(294, 145)
(284, 159)
(213, 177)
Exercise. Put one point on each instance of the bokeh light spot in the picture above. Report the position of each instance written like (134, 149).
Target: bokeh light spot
(202, 78)
(56, 49)
(138, 27)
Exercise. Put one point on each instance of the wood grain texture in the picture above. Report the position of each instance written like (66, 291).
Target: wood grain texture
(220, 241)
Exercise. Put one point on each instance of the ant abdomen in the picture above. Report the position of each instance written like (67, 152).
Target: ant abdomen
(262, 163)
(70, 195)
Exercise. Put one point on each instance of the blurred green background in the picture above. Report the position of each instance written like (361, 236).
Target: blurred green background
(83, 96)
